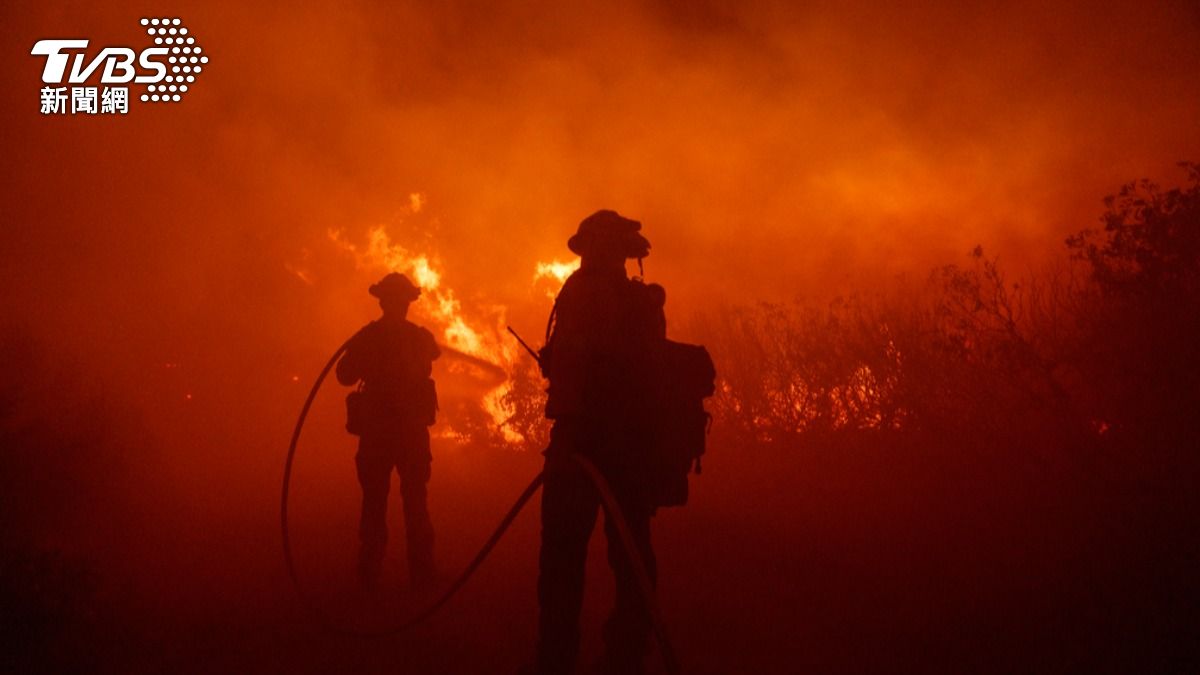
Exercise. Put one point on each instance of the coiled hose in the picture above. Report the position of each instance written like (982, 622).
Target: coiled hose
(607, 499)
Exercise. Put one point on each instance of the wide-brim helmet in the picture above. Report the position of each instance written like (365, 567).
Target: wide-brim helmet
(395, 285)
(609, 231)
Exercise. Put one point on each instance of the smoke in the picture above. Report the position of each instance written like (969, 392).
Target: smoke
(770, 150)
(179, 259)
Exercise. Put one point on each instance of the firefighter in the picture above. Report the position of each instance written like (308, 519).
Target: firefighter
(396, 402)
(603, 333)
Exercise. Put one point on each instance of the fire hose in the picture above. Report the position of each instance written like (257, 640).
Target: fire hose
(607, 498)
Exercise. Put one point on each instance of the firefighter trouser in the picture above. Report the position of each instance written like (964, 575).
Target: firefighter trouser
(569, 507)
(406, 451)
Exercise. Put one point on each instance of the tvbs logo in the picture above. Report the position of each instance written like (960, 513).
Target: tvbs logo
(168, 69)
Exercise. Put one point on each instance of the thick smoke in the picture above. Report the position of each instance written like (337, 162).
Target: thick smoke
(171, 275)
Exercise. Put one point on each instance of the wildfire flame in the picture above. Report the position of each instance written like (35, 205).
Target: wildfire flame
(443, 306)
(482, 335)
(479, 348)
(554, 273)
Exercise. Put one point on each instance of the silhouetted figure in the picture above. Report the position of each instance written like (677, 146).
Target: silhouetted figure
(603, 333)
(396, 402)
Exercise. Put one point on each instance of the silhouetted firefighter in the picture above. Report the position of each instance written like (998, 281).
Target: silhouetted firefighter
(609, 398)
(391, 360)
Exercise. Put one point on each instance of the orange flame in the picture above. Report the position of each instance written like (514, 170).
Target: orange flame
(442, 304)
(483, 338)
(554, 273)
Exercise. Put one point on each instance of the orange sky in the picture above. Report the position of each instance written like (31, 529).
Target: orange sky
(771, 152)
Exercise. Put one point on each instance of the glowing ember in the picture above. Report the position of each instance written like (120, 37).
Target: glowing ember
(502, 414)
(300, 269)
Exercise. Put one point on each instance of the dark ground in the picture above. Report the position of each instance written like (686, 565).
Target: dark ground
(865, 557)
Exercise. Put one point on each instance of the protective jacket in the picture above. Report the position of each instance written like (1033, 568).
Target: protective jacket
(393, 360)
(606, 331)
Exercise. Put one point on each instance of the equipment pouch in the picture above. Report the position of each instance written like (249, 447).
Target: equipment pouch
(686, 379)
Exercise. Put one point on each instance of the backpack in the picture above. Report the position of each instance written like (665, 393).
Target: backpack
(679, 427)
(680, 377)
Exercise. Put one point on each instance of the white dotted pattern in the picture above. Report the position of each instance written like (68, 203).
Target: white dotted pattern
(171, 32)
